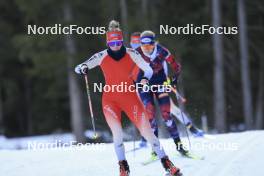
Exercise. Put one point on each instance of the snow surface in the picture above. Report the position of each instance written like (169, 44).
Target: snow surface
(243, 156)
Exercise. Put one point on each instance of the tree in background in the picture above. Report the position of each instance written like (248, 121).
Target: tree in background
(245, 71)
(219, 83)
(1, 113)
(34, 70)
(124, 20)
(74, 90)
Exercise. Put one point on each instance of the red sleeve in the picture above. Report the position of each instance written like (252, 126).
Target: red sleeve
(175, 66)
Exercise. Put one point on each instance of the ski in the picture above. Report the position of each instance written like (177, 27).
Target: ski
(168, 174)
(188, 155)
(191, 156)
(134, 149)
(150, 160)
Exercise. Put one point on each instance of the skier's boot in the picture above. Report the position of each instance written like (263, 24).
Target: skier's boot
(179, 147)
(195, 131)
(154, 155)
(124, 168)
(170, 168)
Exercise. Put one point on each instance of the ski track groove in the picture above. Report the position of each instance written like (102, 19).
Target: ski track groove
(239, 155)
(211, 167)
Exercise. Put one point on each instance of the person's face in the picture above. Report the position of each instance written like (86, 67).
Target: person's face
(135, 45)
(135, 42)
(115, 45)
(147, 48)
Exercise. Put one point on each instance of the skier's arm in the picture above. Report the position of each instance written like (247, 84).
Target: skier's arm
(171, 60)
(90, 63)
(141, 63)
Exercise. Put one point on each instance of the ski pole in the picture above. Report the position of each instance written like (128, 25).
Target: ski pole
(186, 129)
(178, 96)
(174, 90)
(183, 100)
(90, 105)
(134, 141)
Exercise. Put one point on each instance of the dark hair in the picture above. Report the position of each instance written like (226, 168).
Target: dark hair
(147, 33)
(135, 34)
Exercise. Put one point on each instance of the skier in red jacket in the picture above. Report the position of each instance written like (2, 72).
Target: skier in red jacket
(117, 63)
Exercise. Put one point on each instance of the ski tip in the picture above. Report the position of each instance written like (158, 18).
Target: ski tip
(197, 157)
(191, 156)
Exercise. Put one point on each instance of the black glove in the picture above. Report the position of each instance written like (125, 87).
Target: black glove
(174, 80)
(84, 69)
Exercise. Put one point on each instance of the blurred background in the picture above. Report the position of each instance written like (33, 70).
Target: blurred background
(222, 75)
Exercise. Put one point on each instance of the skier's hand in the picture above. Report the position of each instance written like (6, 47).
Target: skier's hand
(84, 69)
(145, 84)
(144, 81)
